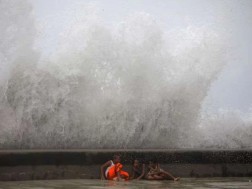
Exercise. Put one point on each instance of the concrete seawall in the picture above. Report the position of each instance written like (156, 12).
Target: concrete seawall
(85, 164)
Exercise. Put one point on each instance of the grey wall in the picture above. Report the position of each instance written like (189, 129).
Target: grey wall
(73, 164)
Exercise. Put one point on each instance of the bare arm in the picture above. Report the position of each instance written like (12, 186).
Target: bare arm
(158, 167)
(108, 163)
(119, 176)
(133, 174)
(143, 172)
(118, 167)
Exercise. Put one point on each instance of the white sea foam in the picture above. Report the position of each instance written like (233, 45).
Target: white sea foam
(130, 85)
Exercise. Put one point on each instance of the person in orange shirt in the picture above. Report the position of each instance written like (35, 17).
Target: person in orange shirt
(114, 170)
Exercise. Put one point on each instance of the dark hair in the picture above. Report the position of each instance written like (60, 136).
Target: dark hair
(135, 160)
(141, 161)
(153, 160)
(116, 155)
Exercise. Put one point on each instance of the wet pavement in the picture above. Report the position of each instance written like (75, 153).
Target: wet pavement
(184, 183)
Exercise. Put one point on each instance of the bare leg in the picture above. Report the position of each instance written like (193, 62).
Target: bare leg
(149, 177)
(154, 177)
(169, 175)
(158, 177)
